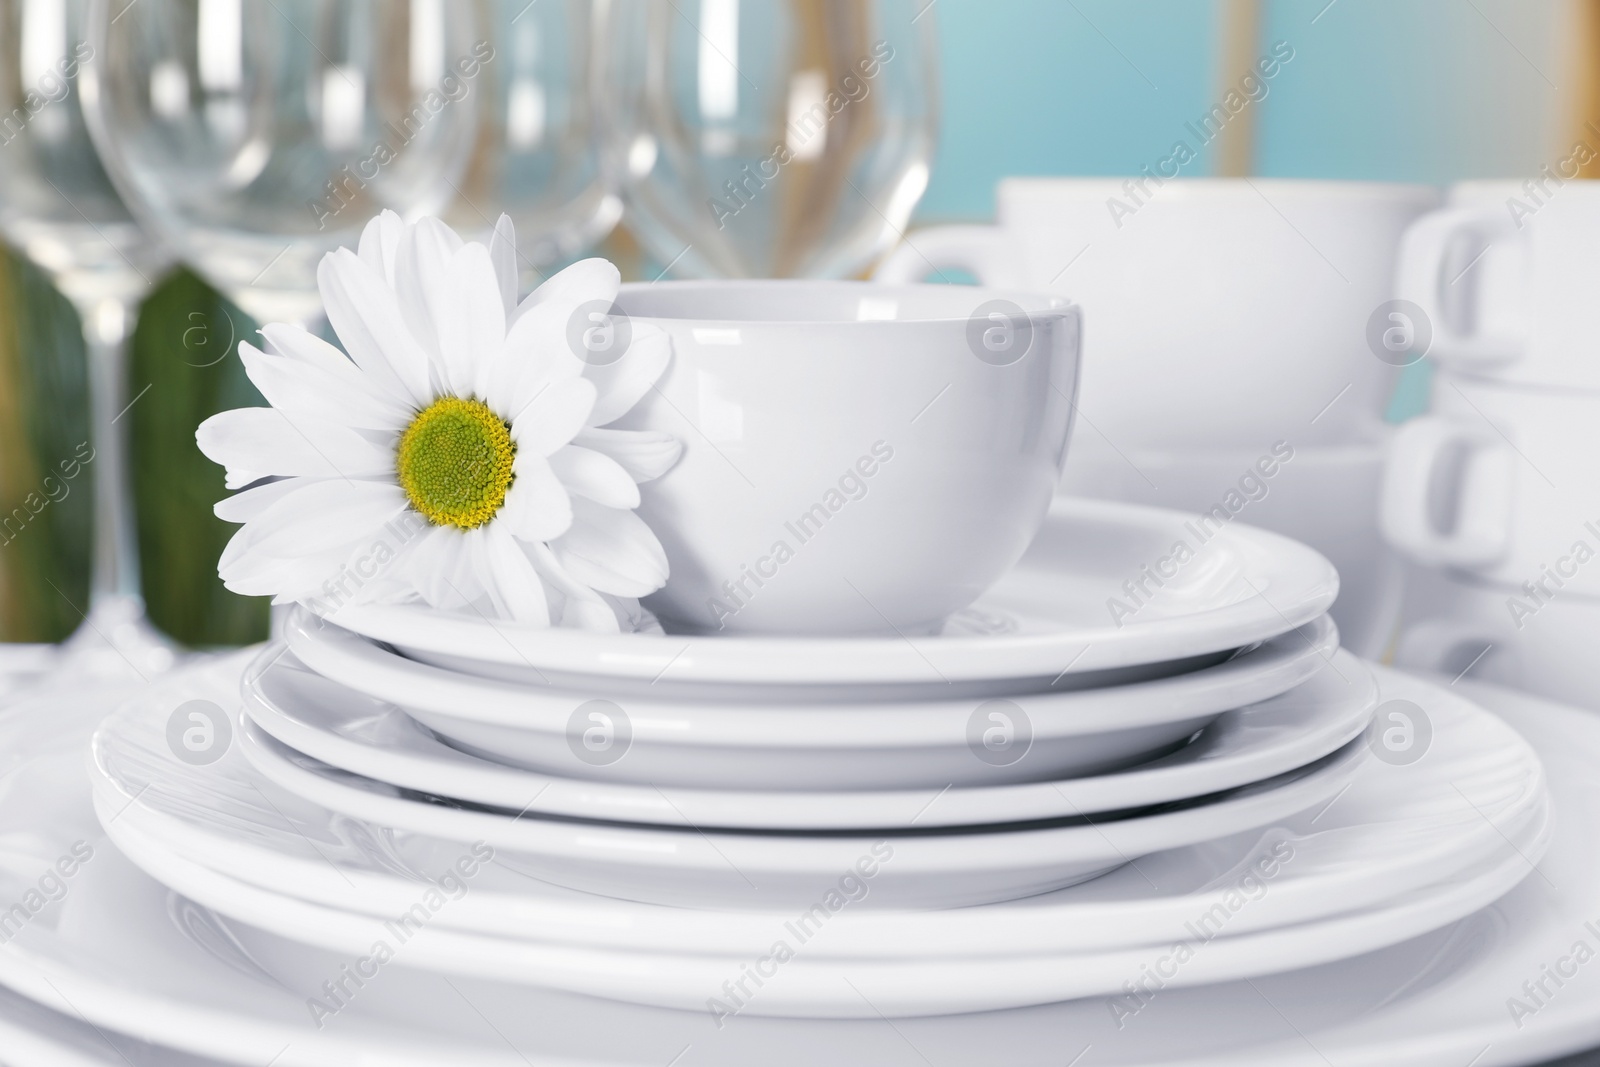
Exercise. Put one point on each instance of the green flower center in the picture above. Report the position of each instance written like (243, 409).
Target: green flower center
(454, 462)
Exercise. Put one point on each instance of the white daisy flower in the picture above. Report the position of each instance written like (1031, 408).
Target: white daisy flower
(456, 451)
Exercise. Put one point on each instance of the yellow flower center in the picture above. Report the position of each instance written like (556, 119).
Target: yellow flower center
(454, 462)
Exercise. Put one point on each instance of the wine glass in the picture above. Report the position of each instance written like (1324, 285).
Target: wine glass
(58, 207)
(255, 136)
(537, 157)
(766, 138)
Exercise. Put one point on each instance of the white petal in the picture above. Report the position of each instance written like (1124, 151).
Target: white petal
(612, 551)
(421, 274)
(438, 567)
(264, 441)
(307, 392)
(535, 352)
(645, 454)
(465, 307)
(322, 515)
(622, 383)
(585, 280)
(513, 585)
(596, 476)
(553, 416)
(580, 607)
(541, 343)
(477, 318)
(380, 243)
(537, 506)
(242, 507)
(366, 315)
(255, 573)
(503, 253)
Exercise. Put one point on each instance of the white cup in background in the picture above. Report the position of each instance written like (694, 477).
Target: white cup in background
(1506, 278)
(1222, 312)
(1544, 645)
(1499, 481)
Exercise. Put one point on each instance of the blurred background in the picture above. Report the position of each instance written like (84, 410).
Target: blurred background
(1428, 91)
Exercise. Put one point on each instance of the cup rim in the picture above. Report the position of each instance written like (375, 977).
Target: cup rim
(1054, 307)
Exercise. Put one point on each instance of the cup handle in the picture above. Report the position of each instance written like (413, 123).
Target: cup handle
(982, 251)
(1421, 279)
(1483, 492)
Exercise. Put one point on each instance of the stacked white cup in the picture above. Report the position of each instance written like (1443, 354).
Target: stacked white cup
(1497, 490)
(1229, 359)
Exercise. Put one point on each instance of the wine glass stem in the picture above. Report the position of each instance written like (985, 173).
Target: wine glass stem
(114, 577)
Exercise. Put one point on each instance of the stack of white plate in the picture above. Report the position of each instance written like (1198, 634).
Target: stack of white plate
(1038, 805)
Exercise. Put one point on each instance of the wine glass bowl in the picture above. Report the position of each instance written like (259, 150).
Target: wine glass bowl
(58, 206)
(258, 135)
(537, 156)
(770, 139)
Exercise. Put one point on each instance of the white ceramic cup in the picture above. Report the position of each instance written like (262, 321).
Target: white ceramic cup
(1500, 481)
(858, 458)
(1225, 312)
(1505, 278)
(1544, 644)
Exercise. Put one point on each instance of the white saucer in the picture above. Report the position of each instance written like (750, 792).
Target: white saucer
(844, 744)
(130, 957)
(368, 737)
(1054, 614)
(933, 868)
(813, 987)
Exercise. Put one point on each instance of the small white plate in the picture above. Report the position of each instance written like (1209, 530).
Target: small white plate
(369, 737)
(698, 868)
(807, 742)
(811, 987)
(124, 954)
(1103, 586)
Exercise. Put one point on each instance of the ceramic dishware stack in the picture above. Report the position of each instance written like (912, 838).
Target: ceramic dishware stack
(1232, 369)
(962, 747)
(1495, 493)
(1006, 751)
(147, 940)
(641, 831)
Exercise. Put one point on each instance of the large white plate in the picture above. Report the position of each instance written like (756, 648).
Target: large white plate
(860, 988)
(844, 743)
(377, 740)
(129, 956)
(1231, 585)
(1397, 828)
(31, 1035)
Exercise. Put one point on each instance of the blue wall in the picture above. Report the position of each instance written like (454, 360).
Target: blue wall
(1398, 90)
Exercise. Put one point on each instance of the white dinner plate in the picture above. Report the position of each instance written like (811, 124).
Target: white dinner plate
(703, 868)
(1103, 586)
(814, 987)
(130, 956)
(1398, 827)
(844, 743)
(377, 740)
